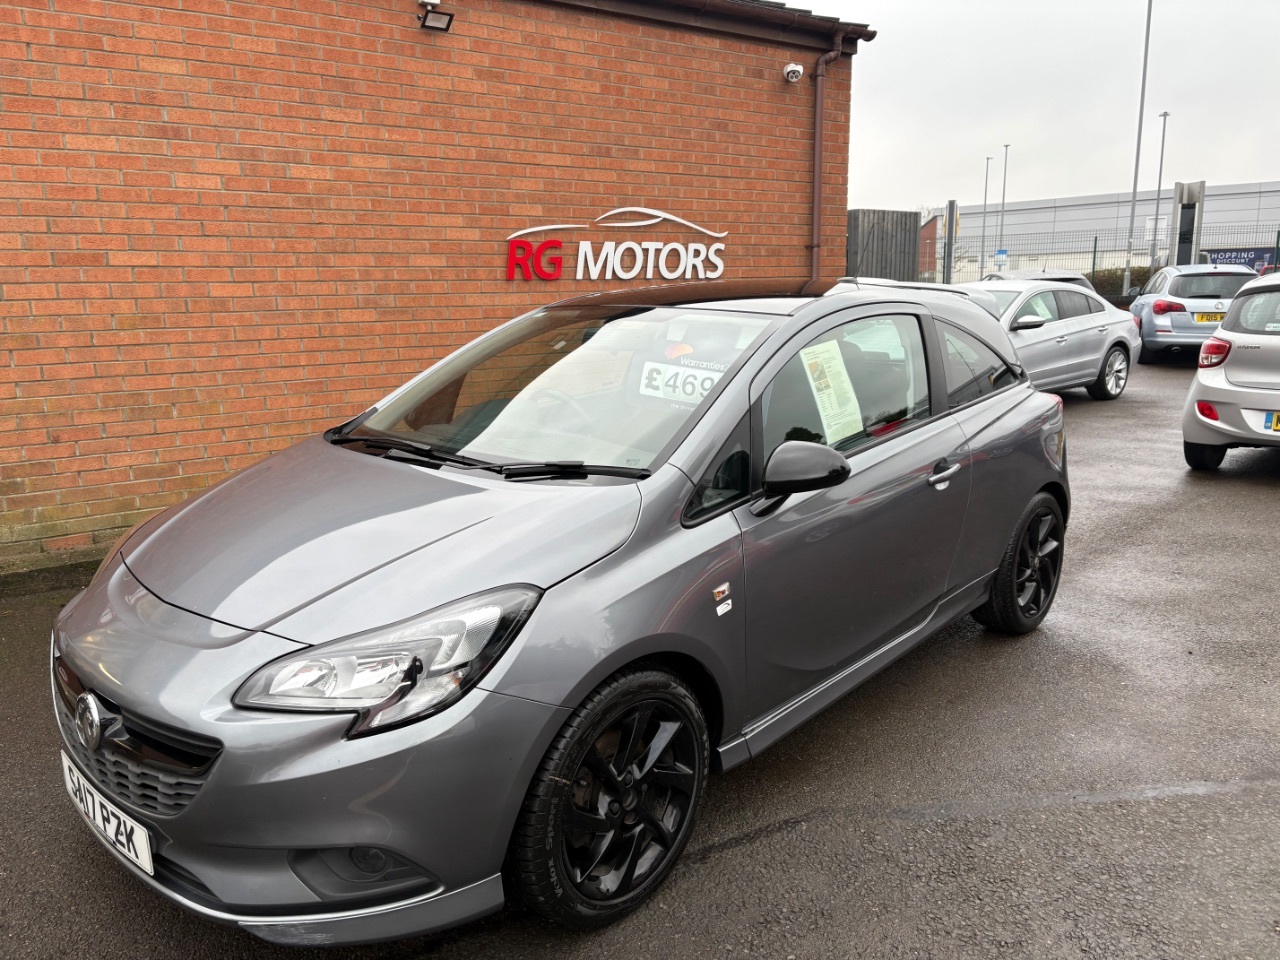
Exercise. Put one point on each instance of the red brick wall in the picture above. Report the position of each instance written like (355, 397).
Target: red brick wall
(225, 225)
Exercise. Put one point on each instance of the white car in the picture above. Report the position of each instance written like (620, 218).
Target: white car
(1066, 336)
(1234, 400)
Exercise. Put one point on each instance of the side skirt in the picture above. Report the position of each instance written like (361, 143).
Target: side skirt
(769, 729)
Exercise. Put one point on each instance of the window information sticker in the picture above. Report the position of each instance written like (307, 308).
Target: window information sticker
(832, 391)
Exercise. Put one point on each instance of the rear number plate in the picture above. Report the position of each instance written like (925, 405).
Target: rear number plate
(122, 833)
(1273, 421)
(1209, 317)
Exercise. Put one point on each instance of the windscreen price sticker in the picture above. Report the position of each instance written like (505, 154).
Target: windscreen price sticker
(680, 384)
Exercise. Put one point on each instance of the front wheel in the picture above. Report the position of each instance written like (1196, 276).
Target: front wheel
(1203, 456)
(613, 802)
(1027, 579)
(1113, 376)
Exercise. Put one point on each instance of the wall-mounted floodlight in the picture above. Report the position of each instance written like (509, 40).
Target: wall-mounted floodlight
(433, 19)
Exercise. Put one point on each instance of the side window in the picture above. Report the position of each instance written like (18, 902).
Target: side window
(973, 369)
(1095, 305)
(1041, 305)
(1162, 280)
(851, 385)
(1151, 285)
(1071, 304)
(727, 479)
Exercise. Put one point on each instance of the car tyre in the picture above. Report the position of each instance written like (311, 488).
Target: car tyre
(1203, 456)
(1148, 356)
(1112, 377)
(613, 802)
(1026, 581)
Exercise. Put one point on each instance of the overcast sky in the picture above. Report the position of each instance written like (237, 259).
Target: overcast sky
(947, 82)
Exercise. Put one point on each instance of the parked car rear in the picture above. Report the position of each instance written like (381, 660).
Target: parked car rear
(1181, 307)
(1234, 400)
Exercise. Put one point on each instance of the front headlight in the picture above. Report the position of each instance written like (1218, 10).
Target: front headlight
(399, 673)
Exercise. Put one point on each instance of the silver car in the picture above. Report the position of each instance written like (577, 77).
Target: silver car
(1234, 400)
(1180, 307)
(490, 637)
(1065, 336)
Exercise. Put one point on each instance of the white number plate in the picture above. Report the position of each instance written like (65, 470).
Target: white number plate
(671, 382)
(123, 833)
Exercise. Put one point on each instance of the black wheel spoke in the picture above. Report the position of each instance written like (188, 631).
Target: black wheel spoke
(584, 821)
(636, 844)
(599, 766)
(633, 738)
(661, 832)
(667, 730)
(1048, 547)
(678, 777)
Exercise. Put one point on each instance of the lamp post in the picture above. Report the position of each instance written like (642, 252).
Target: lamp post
(982, 247)
(1137, 153)
(1155, 230)
(1004, 182)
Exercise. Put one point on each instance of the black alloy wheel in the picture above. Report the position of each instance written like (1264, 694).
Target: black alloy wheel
(1039, 562)
(1027, 580)
(614, 801)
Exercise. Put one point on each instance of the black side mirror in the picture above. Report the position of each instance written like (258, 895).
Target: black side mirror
(798, 466)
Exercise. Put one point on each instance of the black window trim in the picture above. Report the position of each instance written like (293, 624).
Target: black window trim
(753, 474)
(1019, 372)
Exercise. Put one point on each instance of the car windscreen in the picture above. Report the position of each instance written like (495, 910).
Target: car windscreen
(1219, 286)
(1255, 313)
(600, 385)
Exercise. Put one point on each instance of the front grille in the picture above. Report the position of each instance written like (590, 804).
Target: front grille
(143, 764)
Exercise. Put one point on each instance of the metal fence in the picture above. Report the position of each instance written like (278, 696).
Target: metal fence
(1100, 254)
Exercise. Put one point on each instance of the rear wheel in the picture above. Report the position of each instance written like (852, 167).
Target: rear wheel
(1203, 456)
(1148, 355)
(1027, 579)
(1113, 376)
(614, 801)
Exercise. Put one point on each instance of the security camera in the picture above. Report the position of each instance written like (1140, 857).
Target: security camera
(793, 72)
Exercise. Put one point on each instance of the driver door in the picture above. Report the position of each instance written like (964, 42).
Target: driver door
(1042, 349)
(834, 574)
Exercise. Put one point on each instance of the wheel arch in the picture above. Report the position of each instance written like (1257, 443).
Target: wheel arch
(702, 683)
(1056, 490)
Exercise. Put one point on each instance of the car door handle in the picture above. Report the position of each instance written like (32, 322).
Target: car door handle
(1060, 340)
(942, 476)
(1102, 329)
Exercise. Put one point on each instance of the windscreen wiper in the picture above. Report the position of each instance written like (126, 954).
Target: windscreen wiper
(537, 470)
(414, 447)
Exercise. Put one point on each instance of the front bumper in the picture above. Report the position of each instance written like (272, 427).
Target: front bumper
(1241, 411)
(441, 794)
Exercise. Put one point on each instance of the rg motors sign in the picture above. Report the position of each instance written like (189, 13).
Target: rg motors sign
(538, 253)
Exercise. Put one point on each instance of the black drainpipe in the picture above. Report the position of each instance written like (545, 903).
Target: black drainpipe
(819, 115)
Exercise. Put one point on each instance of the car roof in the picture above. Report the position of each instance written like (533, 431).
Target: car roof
(790, 300)
(1024, 286)
(1199, 268)
(973, 294)
(1047, 273)
(1270, 281)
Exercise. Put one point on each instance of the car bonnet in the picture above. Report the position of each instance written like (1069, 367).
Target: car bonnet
(312, 526)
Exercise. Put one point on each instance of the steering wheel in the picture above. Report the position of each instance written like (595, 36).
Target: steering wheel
(564, 400)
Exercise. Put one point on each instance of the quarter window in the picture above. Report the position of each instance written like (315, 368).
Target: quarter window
(850, 386)
(727, 479)
(973, 369)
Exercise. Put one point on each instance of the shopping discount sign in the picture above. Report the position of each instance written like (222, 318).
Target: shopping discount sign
(539, 253)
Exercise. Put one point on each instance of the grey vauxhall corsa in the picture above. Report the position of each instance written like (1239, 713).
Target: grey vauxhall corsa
(490, 637)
